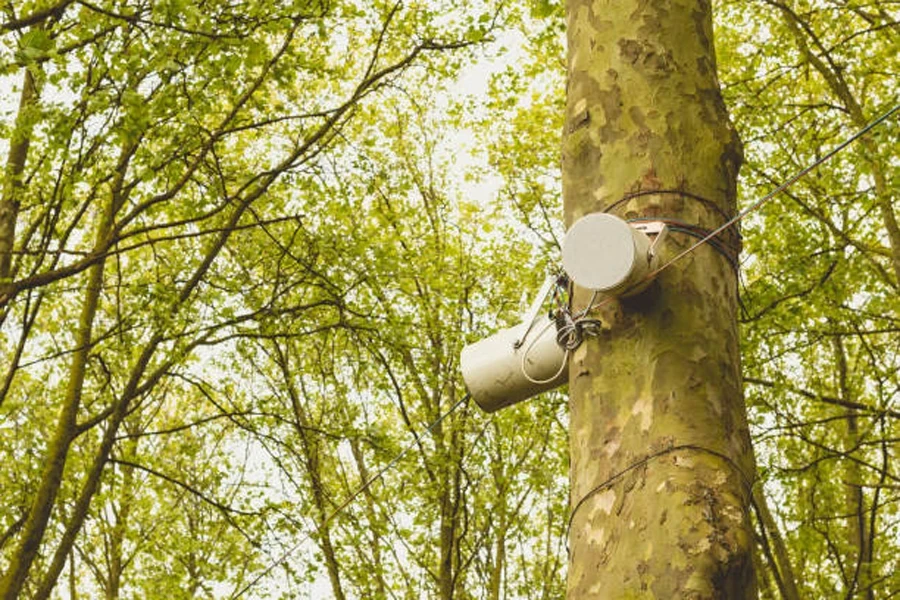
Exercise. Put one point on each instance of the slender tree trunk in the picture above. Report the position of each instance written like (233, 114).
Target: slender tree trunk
(776, 549)
(372, 514)
(661, 462)
(445, 573)
(312, 459)
(66, 427)
(819, 57)
(499, 559)
(116, 554)
(10, 200)
(12, 177)
(762, 576)
(73, 581)
(450, 489)
(859, 561)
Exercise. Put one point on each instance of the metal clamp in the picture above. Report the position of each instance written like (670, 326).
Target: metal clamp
(534, 309)
(658, 229)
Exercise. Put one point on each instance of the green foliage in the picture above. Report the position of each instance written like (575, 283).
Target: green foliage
(299, 218)
(286, 276)
(820, 336)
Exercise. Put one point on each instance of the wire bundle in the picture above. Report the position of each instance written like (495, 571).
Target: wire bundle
(571, 328)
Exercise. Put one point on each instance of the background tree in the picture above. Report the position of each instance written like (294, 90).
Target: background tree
(820, 321)
(155, 148)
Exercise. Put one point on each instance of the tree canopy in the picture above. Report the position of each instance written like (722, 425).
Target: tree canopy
(242, 245)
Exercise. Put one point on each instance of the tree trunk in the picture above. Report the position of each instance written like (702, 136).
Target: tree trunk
(661, 462)
(498, 562)
(859, 563)
(775, 547)
(116, 560)
(377, 564)
(12, 177)
(450, 490)
(311, 456)
(64, 434)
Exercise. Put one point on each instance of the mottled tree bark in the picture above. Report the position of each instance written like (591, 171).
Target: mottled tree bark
(661, 462)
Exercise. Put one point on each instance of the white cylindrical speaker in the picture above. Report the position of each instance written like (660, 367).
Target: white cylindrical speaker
(493, 367)
(603, 253)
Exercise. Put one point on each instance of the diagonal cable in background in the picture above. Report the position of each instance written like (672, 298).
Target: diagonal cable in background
(756, 205)
(789, 182)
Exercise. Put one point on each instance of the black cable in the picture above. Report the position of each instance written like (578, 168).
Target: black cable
(671, 192)
(747, 481)
(716, 245)
(729, 251)
(353, 496)
(735, 219)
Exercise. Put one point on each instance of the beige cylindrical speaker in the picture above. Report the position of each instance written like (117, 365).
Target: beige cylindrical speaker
(605, 254)
(498, 373)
